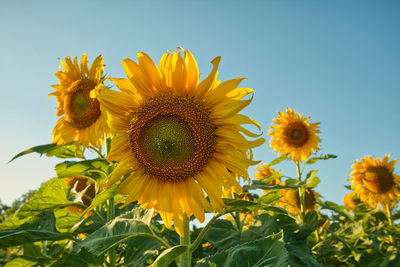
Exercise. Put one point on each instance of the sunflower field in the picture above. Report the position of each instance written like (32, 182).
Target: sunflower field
(155, 173)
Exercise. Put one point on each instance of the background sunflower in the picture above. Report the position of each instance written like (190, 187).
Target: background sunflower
(82, 118)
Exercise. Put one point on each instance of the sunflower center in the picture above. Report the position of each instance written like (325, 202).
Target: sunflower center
(81, 110)
(296, 134)
(378, 179)
(172, 137)
(167, 141)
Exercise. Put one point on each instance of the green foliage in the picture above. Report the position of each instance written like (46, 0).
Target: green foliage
(50, 150)
(168, 256)
(96, 168)
(127, 226)
(266, 251)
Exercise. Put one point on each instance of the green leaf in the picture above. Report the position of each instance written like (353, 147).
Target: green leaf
(63, 151)
(312, 180)
(81, 259)
(117, 231)
(323, 157)
(20, 262)
(278, 160)
(271, 197)
(272, 177)
(267, 251)
(139, 250)
(301, 255)
(334, 207)
(169, 255)
(42, 228)
(222, 234)
(101, 198)
(95, 168)
(66, 219)
(261, 185)
(50, 196)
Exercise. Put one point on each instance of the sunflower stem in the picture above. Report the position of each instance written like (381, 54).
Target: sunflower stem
(203, 231)
(185, 259)
(301, 191)
(389, 217)
(110, 216)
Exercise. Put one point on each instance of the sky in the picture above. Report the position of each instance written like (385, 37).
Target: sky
(336, 61)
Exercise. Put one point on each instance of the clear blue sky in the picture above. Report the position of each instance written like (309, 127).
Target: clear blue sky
(336, 61)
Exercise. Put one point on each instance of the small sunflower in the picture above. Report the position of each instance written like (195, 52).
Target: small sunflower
(294, 135)
(82, 118)
(291, 200)
(351, 200)
(176, 137)
(374, 182)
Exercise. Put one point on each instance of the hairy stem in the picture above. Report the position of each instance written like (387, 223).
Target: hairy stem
(185, 259)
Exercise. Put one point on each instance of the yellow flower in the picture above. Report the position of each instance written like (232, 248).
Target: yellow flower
(291, 200)
(294, 135)
(264, 171)
(374, 182)
(178, 139)
(82, 118)
(351, 200)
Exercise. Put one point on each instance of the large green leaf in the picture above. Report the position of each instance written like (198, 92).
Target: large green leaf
(50, 196)
(95, 168)
(81, 259)
(222, 234)
(168, 256)
(63, 151)
(139, 250)
(117, 231)
(42, 228)
(267, 251)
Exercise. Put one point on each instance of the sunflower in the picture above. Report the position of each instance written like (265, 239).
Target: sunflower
(351, 200)
(82, 118)
(294, 135)
(291, 200)
(374, 182)
(178, 139)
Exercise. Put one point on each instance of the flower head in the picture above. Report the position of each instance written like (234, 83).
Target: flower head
(177, 139)
(294, 135)
(351, 200)
(374, 182)
(82, 118)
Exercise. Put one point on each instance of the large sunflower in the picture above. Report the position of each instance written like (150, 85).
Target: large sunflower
(178, 139)
(294, 135)
(82, 118)
(374, 182)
